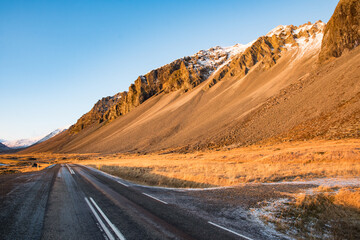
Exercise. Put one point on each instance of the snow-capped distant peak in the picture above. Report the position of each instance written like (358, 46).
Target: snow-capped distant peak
(22, 143)
(52, 134)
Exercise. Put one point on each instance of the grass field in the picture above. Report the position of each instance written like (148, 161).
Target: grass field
(283, 162)
(17, 164)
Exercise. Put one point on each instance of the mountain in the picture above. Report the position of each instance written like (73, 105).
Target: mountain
(182, 74)
(3, 148)
(50, 135)
(23, 143)
(277, 88)
(186, 73)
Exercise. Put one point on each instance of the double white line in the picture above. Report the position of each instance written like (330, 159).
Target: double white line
(102, 224)
(70, 169)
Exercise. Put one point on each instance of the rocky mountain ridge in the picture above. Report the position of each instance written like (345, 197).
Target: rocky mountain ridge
(342, 31)
(213, 65)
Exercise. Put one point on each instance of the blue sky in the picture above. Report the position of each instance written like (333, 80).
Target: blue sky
(57, 58)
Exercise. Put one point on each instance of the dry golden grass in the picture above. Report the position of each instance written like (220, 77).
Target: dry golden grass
(283, 162)
(13, 166)
(325, 214)
(24, 163)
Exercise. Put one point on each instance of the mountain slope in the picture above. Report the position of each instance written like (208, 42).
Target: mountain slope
(50, 135)
(182, 74)
(323, 104)
(207, 114)
(187, 73)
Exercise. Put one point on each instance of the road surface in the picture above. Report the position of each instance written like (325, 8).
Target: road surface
(75, 202)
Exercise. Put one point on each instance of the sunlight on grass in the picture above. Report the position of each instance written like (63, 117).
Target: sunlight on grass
(244, 165)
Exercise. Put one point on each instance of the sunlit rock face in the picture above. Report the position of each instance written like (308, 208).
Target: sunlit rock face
(342, 31)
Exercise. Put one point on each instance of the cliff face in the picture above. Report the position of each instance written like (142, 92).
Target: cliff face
(342, 31)
(182, 74)
(95, 115)
(214, 65)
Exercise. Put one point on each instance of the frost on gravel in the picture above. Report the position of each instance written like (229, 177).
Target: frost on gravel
(271, 217)
(303, 215)
(267, 216)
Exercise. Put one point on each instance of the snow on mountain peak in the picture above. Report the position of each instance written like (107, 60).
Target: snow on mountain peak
(309, 27)
(309, 34)
(22, 143)
(279, 29)
(305, 37)
(238, 48)
(218, 56)
(319, 25)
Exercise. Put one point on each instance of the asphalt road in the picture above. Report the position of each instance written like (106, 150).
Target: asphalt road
(75, 202)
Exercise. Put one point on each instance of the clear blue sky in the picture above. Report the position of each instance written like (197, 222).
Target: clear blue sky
(57, 58)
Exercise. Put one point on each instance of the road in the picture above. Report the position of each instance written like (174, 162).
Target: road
(75, 202)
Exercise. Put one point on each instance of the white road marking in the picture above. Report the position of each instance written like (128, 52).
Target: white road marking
(155, 198)
(123, 184)
(11, 192)
(113, 227)
(238, 234)
(107, 175)
(59, 175)
(51, 166)
(70, 169)
(102, 224)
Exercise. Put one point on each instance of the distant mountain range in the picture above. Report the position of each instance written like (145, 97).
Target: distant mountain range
(3, 148)
(295, 83)
(23, 143)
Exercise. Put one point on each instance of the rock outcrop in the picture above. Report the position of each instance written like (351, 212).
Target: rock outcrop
(95, 115)
(342, 31)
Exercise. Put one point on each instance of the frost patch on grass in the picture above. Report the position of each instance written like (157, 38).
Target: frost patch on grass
(328, 182)
(325, 213)
(266, 216)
